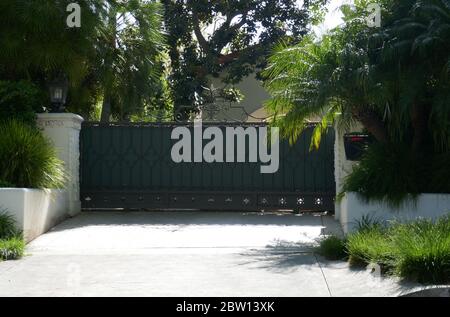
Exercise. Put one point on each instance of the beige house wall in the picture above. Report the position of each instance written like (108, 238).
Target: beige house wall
(255, 95)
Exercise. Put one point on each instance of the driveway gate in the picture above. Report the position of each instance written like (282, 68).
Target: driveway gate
(130, 166)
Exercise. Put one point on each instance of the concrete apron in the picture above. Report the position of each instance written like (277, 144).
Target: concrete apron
(186, 254)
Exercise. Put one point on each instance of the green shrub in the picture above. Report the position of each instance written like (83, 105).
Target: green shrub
(20, 101)
(7, 225)
(332, 248)
(391, 174)
(422, 250)
(27, 158)
(385, 173)
(12, 248)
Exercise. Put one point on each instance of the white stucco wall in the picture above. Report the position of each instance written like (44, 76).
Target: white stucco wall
(342, 166)
(430, 206)
(352, 208)
(35, 211)
(63, 129)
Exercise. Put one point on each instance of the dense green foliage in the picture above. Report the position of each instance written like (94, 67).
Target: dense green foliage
(114, 58)
(389, 169)
(5, 184)
(382, 78)
(20, 100)
(27, 158)
(117, 63)
(232, 38)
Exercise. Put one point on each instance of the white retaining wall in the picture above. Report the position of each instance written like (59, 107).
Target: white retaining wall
(352, 208)
(431, 206)
(37, 211)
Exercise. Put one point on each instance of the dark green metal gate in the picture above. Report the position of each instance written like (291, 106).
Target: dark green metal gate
(130, 166)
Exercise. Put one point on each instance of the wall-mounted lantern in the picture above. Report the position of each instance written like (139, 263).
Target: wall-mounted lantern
(58, 93)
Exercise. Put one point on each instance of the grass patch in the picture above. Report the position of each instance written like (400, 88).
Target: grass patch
(12, 244)
(332, 248)
(12, 248)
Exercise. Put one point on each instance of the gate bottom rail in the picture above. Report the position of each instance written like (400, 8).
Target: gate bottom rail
(208, 200)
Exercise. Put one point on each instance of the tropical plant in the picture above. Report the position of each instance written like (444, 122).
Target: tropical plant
(381, 78)
(131, 60)
(417, 87)
(27, 158)
(114, 57)
(49, 45)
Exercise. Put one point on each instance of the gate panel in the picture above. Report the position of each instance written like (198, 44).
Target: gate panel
(130, 166)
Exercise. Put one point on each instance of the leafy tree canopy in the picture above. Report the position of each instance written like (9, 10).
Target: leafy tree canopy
(208, 37)
(116, 56)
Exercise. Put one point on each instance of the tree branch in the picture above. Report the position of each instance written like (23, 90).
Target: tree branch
(225, 33)
(198, 32)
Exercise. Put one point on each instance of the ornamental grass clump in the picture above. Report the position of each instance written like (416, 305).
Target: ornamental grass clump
(332, 248)
(422, 250)
(7, 225)
(417, 250)
(27, 158)
(370, 246)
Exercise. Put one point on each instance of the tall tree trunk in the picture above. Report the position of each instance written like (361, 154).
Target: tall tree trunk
(106, 108)
(373, 123)
(109, 60)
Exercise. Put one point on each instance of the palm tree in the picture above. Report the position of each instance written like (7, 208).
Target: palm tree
(114, 55)
(414, 54)
(322, 79)
(130, 46)
(384, 78)
(36, 42)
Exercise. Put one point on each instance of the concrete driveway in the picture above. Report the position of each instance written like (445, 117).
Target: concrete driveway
(187, 254)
